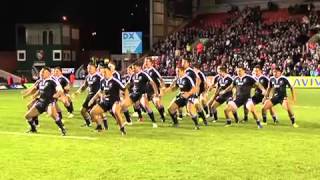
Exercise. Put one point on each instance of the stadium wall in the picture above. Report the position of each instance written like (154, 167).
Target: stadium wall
(8, 61)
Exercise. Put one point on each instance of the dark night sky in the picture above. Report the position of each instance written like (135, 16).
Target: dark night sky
(99, 16)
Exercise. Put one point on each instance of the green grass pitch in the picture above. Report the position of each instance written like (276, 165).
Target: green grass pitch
(215, 152)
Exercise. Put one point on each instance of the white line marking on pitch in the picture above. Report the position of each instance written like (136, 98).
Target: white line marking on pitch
(308, 107)
(48, 135)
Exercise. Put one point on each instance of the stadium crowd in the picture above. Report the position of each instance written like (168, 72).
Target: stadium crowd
(248, 41)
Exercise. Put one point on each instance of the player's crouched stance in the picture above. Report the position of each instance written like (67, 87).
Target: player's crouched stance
(109, 95)
(277, 94)
(184, 98)
(49, 90)
(243, 84)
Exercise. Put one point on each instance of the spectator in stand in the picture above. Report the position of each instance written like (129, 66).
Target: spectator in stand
(249, 41)
(72, 78)
(200, 48)
(10, 81)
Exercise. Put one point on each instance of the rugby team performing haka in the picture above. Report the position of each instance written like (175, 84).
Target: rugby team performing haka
(143, 86)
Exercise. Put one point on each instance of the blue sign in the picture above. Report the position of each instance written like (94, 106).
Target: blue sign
(132, 42)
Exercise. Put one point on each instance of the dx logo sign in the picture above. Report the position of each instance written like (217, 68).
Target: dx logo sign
(128, 36)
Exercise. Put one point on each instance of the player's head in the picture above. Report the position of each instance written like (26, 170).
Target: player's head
(107, 72)
(148, 63)
(185, 63)
(222, 70)
(57, 71)
(112, 66)
(257, 70)
(241, 71)
(91, 68)
(277, 72)
(137, 66)
(46, 72)
(130, 70)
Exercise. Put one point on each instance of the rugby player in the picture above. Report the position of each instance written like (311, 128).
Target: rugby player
(277, 94)
(49, 90)
(243, 84)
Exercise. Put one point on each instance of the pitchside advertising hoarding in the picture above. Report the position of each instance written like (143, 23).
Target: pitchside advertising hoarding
(131, 42)
(304, 81)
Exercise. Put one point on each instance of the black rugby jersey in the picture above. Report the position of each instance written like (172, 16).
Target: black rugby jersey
(111, 88)
(280, 84)
(244, 85)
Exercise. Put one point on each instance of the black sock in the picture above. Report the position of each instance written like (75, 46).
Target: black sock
(88, 122)
(195, 120)
(211, 112)
(180, 114)
(161, 111)
(70, 108)
(264, 117)
(151, 115)
(32, 126)
(245, 112)
(174, 117)
(215, 114)
(206, 109)
(201, 114)
(138, 110)
(274, 118)
(112, 114)
(60, 124)
(105, 123)
(127, 115)
(228, 122)
(142, 108)
(292, 119)
(99, 127)
(35, 120)
(123, 130)
(258, 122)
(236, 118)
(60, 115)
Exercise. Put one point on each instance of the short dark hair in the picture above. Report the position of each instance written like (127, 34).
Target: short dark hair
(187, 59)
(138, 63)
(257, 67)
(278, 69)
(222, 68)
(241, 67)
(46, 68)
(59, 68)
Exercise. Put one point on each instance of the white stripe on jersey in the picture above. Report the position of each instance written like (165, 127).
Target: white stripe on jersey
(122, 86)
(286, 79)
(204, 76)
(117, 74)
(150, 79)
(192, 83)
(58, 85)
(65, 79)
(189, 68)
(157, 72)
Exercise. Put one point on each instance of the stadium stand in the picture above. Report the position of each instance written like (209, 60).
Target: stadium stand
(248, 37)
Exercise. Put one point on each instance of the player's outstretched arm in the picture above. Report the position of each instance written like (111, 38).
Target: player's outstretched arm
(94, 98)
(258, 85)
(81, 89)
